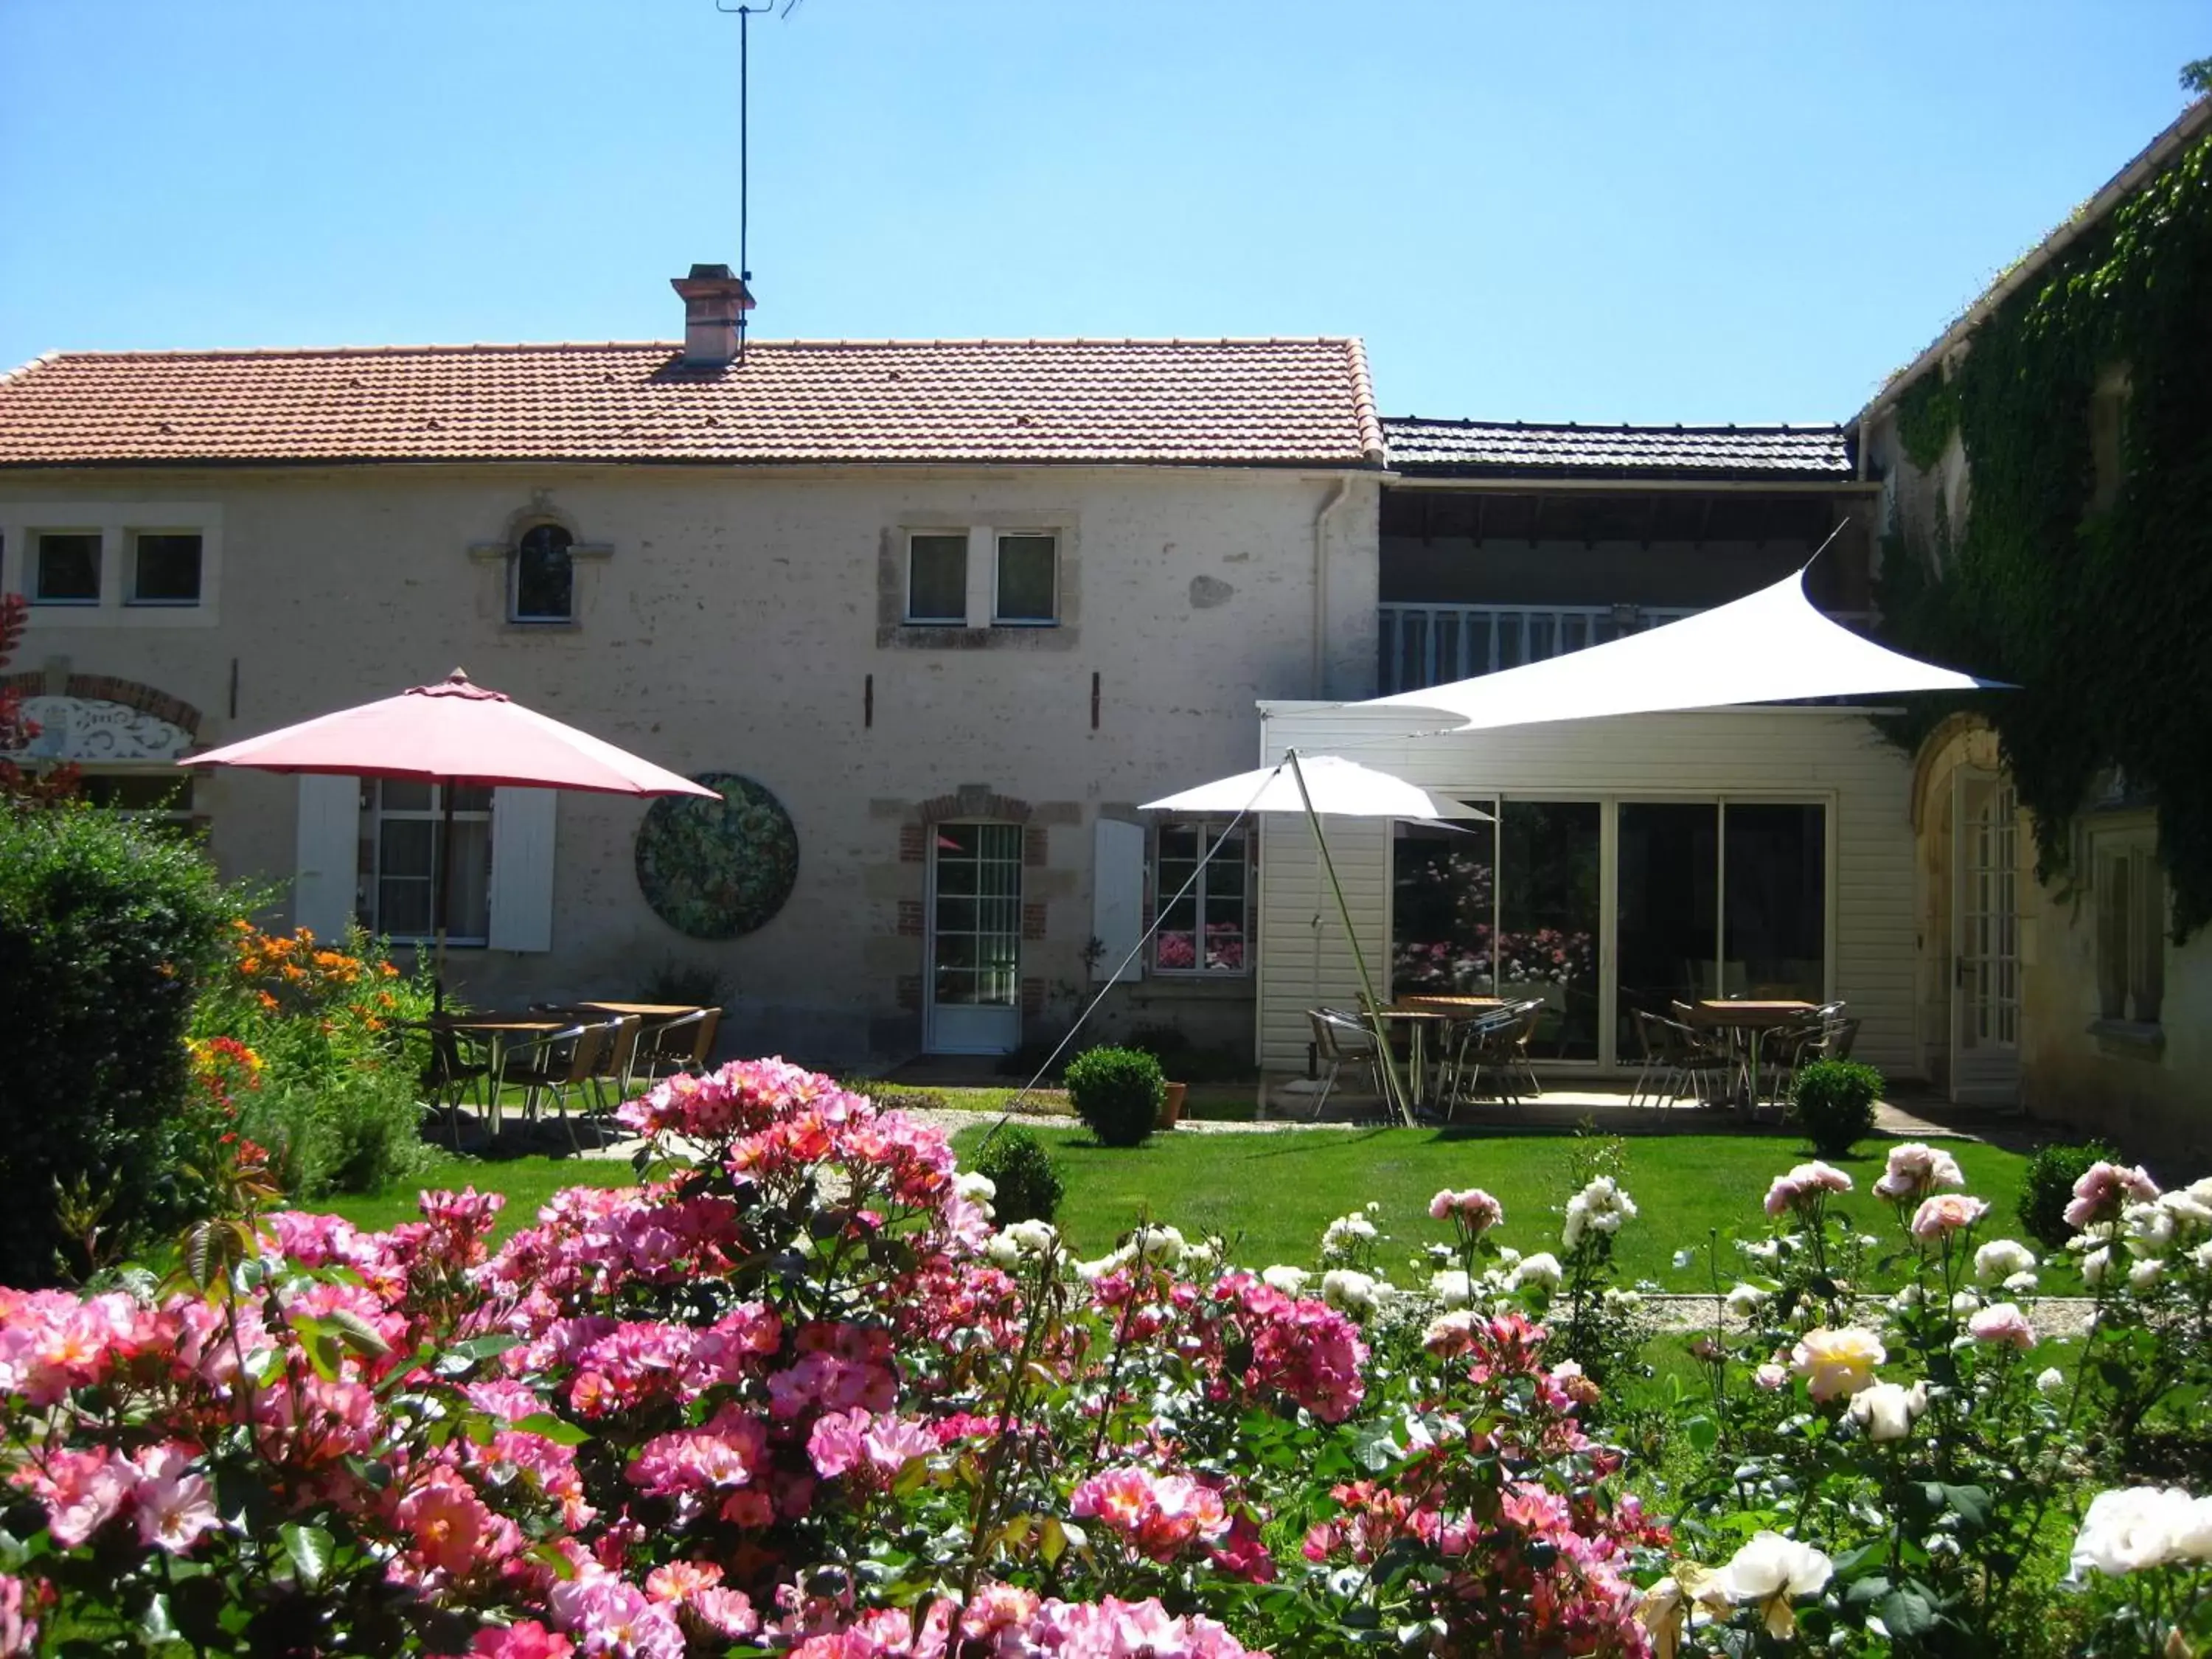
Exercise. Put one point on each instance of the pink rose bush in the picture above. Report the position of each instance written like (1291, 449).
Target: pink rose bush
(785, 1393)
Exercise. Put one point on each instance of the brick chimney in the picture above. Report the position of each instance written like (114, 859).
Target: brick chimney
(714, 306)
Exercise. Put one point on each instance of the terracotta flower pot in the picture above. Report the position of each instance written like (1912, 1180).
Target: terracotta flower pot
(1171, 1105)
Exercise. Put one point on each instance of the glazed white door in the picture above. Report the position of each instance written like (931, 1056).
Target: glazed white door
(975, 980)
(1984, 941)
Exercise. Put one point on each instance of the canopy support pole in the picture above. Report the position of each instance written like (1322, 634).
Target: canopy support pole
(1400, 1097)
(445, 892)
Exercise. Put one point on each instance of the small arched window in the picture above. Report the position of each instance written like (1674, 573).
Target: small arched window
(545, 580)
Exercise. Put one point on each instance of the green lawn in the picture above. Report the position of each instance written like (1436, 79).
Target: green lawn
(1271, 1195)
(527, 1182)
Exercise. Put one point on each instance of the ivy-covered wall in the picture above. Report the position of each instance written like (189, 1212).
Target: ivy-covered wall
(2100, 609)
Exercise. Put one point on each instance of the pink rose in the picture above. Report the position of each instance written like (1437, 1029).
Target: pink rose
(2104, 1190)
(2001, 1322)
(1917, 1170)
(1947, 1213)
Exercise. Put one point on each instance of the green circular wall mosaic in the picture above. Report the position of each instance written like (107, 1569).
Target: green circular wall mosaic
(718, 869)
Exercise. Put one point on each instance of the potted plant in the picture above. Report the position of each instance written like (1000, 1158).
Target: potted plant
(1172, 1104)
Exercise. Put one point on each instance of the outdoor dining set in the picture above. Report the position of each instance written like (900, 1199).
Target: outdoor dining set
(590, 1055)
(1737, 1052)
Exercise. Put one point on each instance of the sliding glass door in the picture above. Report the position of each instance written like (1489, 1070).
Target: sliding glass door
(1775, 906)
(1602, 909)
(1549, 860)
(1669, 911)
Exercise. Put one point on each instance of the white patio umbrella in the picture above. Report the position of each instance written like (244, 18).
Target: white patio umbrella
(1768, 646)
(1314, 785)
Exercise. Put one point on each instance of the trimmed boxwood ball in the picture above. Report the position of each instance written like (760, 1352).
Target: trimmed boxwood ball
(1833, 1101)
(1117, 1092)
(1029, 1186)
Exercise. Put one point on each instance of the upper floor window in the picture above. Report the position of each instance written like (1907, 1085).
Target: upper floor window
(1206, 929)
(65, 567)
(1028, 588)
(543, 587)
(936, 578)
(165, 567)
(122, 564)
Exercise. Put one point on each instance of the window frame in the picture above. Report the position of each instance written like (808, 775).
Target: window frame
(514, 611)
(2132, 908)
(1210, 830)
(368, 907)
(910, 618)
(34, 562)
(137, 534)
(998, 539)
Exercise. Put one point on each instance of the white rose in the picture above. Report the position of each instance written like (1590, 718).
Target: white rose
(2141, 1275)
(1771, 1571)
(1002, 1251)
(2050, 1380)
(2131, 1529)
(2191, 1532)
(1888, 1408)
(2148, 1229)
(2095, 1265)
(2001, 1258)
(2021, 1284)
(1542, 1268)
(1964, 1302)
(2187, 1209)
(1745, 1300)
(976, 1188)
(1347, 1292)
(1453, 1288)
(1289, 1280)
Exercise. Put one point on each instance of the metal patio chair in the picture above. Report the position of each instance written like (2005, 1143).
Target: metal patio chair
(558, 1065)
(683, 1044)
(1342, 1039)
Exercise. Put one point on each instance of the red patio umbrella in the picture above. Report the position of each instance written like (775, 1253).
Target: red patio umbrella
(452, 734)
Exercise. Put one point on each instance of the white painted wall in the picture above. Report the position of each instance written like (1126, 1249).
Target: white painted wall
(1801, 754)
(731, 624)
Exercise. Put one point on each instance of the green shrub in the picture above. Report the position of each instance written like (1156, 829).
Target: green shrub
(1833, 1100)
(107, 924)
(1030, 1188)
(697, 984)
(2048, 1183)
(1117, 1092)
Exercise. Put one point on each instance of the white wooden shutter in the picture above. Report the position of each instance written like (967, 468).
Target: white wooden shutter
(522, 869)
(1117, 897)
(327, 860)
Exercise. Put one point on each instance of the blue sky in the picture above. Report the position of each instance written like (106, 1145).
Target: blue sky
(1598, 212)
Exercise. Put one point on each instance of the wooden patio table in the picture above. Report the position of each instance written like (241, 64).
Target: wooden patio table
(1750, 1021)
(1417, 1014)
(652, 1014)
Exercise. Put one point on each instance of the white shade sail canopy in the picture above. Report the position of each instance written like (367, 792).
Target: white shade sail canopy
(1340, 788)
(1768, 646)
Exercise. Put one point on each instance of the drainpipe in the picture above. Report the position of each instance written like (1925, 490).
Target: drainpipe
(1335, 499)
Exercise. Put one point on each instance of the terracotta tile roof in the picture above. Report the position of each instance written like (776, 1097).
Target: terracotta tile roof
(1502, 448)
(1222, 402)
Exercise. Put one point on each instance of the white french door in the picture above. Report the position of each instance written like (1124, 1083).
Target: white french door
(975, 945)
(1984, 940)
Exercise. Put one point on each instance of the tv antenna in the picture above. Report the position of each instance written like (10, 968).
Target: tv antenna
(744, 15)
